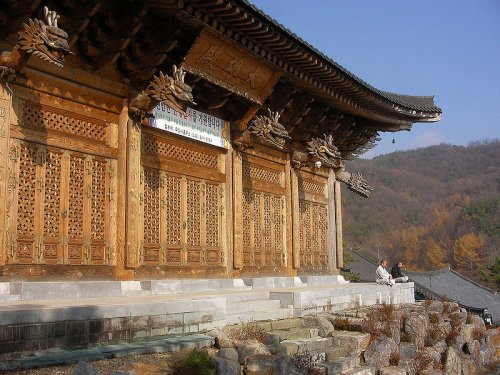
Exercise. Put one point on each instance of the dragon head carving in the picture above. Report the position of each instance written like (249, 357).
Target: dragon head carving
(324, 150)
(172, 91)
(46, 41)
(354, 182)
(269, 130)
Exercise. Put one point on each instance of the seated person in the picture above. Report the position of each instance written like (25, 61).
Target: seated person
(396, 273)
(384, 277)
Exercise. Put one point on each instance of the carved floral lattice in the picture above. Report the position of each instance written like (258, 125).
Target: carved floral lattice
(76, 197)
(98, 210)
(26, 192)
(157, 147)
(173, 212)
(193, 197)
(263, 228)
(313, 233)
(51, 212)
(151, 207)
(255, 173)
(51, 119)
(212, 215)
(311, 187)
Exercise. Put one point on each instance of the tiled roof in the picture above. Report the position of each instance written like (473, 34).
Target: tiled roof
(419, 103)
(451, 284)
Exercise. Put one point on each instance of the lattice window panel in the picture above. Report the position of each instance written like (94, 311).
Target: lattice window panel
(26, 191)
(157, 147)
(173, 211)
(263, 228)
(52, 209)
(151, 206)
(312, 187)
(51, 119)
(253, 172)
(313, 232)
(193, 197)
(98, 195)
(212, 199)
(76, 197)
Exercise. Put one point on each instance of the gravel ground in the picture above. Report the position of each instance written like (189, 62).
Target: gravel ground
(148, 364)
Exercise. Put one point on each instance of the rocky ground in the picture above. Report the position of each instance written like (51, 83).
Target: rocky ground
(430, 338)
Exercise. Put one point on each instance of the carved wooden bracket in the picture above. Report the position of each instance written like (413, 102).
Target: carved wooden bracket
(355, 182)
(172, 91)
(266, 129)
(44, 40)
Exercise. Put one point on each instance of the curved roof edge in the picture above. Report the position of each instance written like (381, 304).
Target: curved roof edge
(450, 270)
(420, 103)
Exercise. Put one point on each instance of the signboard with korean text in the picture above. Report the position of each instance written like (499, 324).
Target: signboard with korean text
(195, 125)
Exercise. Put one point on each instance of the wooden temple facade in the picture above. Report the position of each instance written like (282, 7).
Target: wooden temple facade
(176, 139)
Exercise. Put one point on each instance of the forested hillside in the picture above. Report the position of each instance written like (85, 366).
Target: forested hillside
(432, 207)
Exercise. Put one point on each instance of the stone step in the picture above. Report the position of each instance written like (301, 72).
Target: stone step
(247, 296)
(312, 345)
(10, 297)
(252, 305)
(251, 316)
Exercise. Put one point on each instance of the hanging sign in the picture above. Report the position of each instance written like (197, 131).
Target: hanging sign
(195, 125)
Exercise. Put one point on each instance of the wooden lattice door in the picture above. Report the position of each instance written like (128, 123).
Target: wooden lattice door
(264, 213)
(313, 221)
(183, 205)
(60, 208)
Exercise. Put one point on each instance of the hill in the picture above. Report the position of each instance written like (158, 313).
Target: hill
(432, 207)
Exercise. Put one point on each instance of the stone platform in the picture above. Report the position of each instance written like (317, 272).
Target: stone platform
(42, 315)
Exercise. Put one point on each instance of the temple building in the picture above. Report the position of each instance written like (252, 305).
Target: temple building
(176, 139)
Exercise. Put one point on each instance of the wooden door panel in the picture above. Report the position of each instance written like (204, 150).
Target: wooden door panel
(51, 223)
(99, 211)
(76, 210)
(26, 243)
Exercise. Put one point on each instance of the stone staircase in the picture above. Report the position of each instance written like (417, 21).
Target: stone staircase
(93, 311)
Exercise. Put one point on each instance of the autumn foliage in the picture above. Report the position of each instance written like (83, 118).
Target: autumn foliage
(431, 207)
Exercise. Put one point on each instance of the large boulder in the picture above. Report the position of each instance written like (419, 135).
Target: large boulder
(225, 366)
(325, 328)
(228, 353)
(440, 347)
(437, 332)
(355, 342)
(379, 352)
(407, 351)
(469, 367)
(222, 340)
(473, 348)
(416, 326)
(250, 347)
(453, 363)
(264, 364)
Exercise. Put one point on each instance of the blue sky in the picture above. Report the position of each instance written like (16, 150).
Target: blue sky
(446, 48)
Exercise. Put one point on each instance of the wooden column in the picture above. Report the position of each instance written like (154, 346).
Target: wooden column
(238, 209)
(332, 224)
(288, 212)
(121, 196)
(5, 108)
(338, 225)
(295, 219)
(132, 257)
(228, 217)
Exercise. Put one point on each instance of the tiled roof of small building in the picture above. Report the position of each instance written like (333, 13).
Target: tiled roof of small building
(449, 283)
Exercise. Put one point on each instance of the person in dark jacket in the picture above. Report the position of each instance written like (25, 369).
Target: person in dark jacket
(396, 273)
